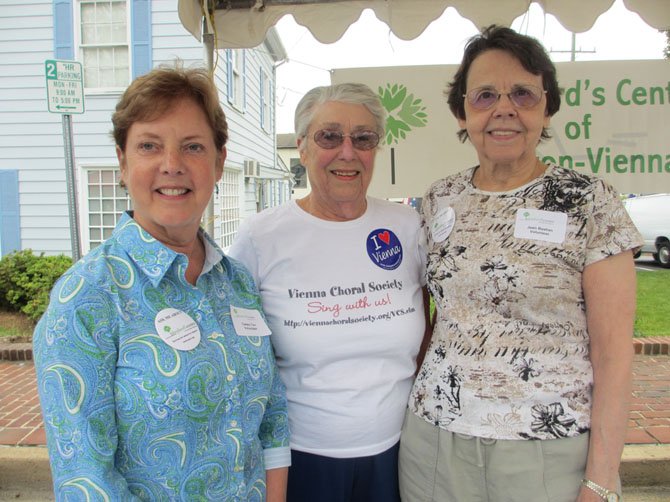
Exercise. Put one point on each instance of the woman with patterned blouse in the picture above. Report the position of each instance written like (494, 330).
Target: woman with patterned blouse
(523, 393)
(156, 375)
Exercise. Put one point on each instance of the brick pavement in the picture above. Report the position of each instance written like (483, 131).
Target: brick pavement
(649, 419)
(20, 416)
(649, 422)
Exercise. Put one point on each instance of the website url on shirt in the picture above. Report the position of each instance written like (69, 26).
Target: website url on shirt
(350, 320)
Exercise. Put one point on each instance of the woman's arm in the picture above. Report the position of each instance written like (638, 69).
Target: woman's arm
(274, 436)
(609, 294)
(276, 481)
(75, 376)
(428, 331)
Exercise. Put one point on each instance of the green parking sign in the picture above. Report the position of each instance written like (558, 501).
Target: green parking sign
(65, 86)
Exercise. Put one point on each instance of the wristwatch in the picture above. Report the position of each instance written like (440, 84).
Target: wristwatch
(607, 495)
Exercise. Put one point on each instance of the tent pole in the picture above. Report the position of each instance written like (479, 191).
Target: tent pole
(208, 49)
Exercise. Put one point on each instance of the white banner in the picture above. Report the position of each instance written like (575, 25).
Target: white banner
(614, 122)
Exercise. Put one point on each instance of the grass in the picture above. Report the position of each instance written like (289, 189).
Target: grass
(652, 318)
(653, 303)
(15, 327)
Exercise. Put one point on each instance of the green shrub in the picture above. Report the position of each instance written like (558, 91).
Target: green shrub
(26, 280)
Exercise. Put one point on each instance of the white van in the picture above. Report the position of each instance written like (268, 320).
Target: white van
(651, 215)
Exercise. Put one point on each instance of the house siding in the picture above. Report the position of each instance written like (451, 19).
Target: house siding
(31, 138)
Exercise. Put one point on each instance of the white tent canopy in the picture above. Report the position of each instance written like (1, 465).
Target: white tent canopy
(244, 23)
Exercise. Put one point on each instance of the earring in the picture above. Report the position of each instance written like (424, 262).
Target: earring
(216, 188)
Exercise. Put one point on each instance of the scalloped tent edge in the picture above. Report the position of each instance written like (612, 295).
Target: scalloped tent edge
(244, 23)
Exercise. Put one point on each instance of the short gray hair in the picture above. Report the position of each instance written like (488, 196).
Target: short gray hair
(350, 92)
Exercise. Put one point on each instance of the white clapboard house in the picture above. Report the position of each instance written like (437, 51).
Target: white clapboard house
(115, 41)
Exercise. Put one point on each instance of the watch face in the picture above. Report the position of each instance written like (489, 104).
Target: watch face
(612, 497)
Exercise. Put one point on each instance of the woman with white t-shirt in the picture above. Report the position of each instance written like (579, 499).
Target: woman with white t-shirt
(340, 276)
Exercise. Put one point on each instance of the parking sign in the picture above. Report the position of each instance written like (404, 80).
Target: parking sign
(65, 86)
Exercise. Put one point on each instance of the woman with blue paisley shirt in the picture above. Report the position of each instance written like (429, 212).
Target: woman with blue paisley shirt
(156, 375)
(523, 393)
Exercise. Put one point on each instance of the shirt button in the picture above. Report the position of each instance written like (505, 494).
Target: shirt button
(229, 378)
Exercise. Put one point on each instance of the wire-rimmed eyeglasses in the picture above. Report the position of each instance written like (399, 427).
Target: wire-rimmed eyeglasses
(521, 96)
(361, 140)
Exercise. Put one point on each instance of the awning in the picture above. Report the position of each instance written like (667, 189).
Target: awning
(244, 23)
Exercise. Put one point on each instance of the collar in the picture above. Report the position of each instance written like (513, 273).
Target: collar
(152, 257)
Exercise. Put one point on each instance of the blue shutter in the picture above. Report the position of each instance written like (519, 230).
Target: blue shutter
(262, 94)
(10, 228)
(63, 31)
(140, 20)
(229, 76)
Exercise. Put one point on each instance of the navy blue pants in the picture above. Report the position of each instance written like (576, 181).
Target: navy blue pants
(314, 478)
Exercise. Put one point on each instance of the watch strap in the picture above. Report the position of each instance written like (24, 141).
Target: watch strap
(600, 490)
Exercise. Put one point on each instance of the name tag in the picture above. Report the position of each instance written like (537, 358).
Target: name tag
(248, 322)
(540, 225)
(442, 224)
(177, 329)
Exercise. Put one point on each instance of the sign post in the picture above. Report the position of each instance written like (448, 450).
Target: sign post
(65, 95)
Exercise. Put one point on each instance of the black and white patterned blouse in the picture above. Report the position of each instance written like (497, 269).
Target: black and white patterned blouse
(509, 357)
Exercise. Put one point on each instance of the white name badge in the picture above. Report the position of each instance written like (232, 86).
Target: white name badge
(177, 329)
(248, 322)
(442, 224)
(540, 225)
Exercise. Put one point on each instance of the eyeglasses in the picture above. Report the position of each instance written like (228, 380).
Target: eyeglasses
(361, 140)
(521, 96)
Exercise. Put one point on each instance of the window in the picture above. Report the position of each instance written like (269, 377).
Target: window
(273, 193)
(104, 43)
(93, 40)
(299, 173)
(236, 78)
(266, 101)
(102, 206)
(229, 206)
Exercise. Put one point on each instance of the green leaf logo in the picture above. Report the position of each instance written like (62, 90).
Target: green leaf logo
(404, 112)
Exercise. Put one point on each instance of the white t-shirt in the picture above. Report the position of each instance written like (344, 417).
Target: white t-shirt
(344, 303)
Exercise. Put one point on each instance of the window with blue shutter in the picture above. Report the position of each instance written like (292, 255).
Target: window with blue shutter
(263, 99)
(230, 89)
(105, 43)
(244, 79)
(236, 78)
(266, 101)
(10, 227)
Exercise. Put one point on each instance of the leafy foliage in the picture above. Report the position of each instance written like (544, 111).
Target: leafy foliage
(666, 51)
(26, 280)
(405, 112)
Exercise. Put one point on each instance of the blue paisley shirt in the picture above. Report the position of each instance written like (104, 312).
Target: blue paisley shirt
(129, 417)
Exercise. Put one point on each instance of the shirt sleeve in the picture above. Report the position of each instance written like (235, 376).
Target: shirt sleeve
(274, 430)
(610, 228)
(75, 361)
